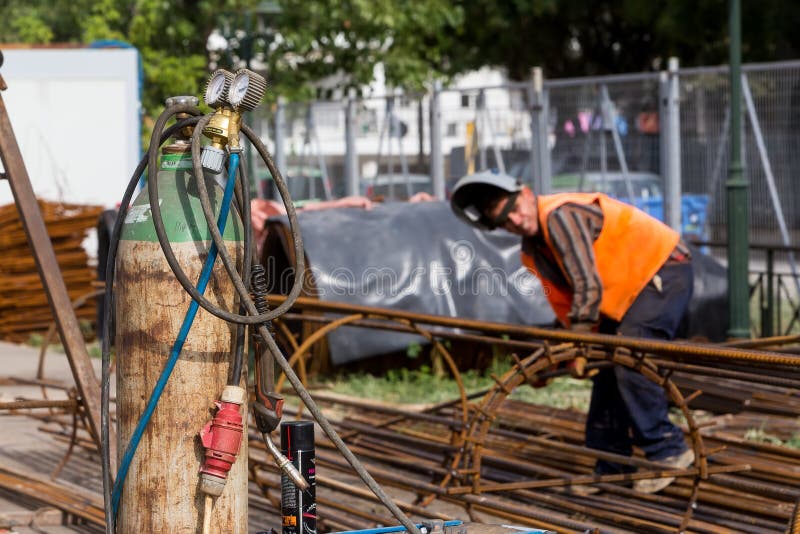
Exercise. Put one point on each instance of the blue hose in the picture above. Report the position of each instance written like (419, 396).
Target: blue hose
(205, 276)
(389, 530)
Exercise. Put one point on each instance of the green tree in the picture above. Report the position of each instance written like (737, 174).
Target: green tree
(170, 36)
(585, 37)
(310, 46)
(338, 43)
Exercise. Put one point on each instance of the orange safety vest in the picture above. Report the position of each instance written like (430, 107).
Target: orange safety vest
(631, 248)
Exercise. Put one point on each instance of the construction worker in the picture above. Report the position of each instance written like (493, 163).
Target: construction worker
(607, 267)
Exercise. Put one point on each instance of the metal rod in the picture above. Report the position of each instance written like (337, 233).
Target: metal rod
(351, 171)
(637, 344)
(437, 159)
(672, 181)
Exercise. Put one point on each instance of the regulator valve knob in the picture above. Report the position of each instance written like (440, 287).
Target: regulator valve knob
(212, 158)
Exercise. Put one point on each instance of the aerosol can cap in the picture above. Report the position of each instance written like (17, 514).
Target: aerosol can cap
(297, 435)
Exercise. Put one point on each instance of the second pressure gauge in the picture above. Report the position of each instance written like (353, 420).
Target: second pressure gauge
(246, 90)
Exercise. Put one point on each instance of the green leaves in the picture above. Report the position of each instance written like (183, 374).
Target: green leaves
(30, 29)
(348, 39)
(306, 45)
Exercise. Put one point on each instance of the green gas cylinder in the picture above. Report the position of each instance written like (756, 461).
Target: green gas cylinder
(161, 491)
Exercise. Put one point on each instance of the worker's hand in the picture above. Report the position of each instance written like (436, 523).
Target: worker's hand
(582, 328)
(261, 210)
(577, 367)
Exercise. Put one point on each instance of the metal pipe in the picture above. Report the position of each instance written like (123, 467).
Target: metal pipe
(437, 158)
(280, 142)
(351, 171)
(672, 181)
(737, 191)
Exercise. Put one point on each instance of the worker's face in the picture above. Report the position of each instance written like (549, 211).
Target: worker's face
(522, 219)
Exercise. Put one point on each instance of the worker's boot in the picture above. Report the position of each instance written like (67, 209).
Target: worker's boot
(654, 485)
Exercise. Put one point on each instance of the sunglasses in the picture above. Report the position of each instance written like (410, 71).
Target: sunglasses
(502, 217)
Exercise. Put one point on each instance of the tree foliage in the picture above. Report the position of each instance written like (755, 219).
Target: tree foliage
(317, 44)
(170, 35)
(585, 37)
(344, 41)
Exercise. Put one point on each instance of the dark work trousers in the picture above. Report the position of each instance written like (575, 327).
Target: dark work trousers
(626, 408)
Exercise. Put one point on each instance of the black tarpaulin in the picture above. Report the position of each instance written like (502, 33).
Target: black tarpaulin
(419, 257)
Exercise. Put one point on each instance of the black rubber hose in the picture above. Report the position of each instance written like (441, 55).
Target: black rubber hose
(108, 311)
(244, 294)
(180, 275)
(242, 195)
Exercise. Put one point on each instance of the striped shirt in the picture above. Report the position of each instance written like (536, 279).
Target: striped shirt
(573, 230)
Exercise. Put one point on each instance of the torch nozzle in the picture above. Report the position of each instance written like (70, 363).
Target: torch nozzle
(285, 465)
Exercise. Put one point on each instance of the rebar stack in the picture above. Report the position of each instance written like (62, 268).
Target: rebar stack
(24, 306)
(753, 487)
(490, 457)
(494, 455)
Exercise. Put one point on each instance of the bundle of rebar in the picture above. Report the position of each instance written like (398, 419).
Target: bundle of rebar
(489, 457)
(531, 458)
(24, 308)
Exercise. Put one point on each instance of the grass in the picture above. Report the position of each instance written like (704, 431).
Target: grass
(423, 385)
(759, 435)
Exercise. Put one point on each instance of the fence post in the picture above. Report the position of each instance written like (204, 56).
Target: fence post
(672, 179)
(768, 326)
(280, 141)
(420, 133)
(351, 174)
(480, 126)
(540, 155)
(544, 128)
(437, 159)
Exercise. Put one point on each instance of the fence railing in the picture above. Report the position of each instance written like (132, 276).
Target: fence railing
(774, 295)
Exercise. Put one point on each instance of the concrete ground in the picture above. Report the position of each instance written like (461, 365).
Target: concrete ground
(24, 445)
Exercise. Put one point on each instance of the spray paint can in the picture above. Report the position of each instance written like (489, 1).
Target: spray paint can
(299, 508)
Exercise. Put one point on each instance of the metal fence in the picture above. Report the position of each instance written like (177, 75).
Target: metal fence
(771, 111)
(660, 138)
(595, 131)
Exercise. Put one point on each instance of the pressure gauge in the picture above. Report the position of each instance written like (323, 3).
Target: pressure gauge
(246, 90)
(217, 88)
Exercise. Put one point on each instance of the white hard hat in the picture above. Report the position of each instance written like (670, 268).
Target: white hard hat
(469, 194)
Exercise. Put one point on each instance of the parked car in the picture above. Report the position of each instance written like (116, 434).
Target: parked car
(647, 190)
(396, 186)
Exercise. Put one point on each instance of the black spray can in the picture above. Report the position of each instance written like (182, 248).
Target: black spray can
(299, 508)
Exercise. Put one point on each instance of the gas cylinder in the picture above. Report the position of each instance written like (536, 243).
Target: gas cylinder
(161, 492)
